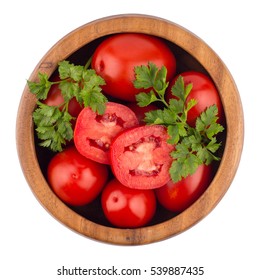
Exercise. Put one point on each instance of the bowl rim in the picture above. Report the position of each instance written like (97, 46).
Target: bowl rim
(229, 94)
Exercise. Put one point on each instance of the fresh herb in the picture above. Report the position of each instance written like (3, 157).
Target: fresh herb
(193, 145)
(53, 123)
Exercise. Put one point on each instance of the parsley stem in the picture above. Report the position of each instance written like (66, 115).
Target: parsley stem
(66, 106)
(164, 102)
(88, 63)
(55, 83)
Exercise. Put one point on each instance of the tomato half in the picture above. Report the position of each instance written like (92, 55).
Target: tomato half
(125, 207)
(178, 196)
(75, 179)
(204, 91)
(140, 157)
(93, 133)
(115, 59)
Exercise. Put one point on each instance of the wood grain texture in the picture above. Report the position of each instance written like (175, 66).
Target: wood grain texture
(194, 53)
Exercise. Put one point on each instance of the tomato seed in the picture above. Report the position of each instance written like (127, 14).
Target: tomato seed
(110, 120)
(97, 143)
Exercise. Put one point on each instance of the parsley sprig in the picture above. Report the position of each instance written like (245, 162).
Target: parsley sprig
(53, 123)
(193, 145)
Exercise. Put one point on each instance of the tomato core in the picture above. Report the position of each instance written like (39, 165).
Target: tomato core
(144, 151)
(108, 121)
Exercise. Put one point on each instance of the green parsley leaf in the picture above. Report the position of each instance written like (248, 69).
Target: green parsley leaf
(41, 88)
(145, 76)
(69, 70)
(164, 117)
(176, 105)
(160, 83)
(182, 168)
(69, 89)
(53, 123)
(53, 126)
(191, 103)
(144, 99)
(207, 124)
(94, 98)
(193, 145)
(92, 92)
(173, 131)
(150, 77)
(179, 89)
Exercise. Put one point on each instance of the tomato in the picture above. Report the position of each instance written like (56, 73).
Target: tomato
(115, 58)
(93, 133)
(140, 157)
(55, 98)
(75, 179)
(140, 111)
(178, 196)
(127, 208)
(204, 91)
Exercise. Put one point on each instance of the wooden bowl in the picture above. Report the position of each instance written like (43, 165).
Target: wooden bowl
(193, 54)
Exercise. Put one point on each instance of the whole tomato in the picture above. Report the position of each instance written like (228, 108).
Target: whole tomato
(75, 179)
(116, 57)
(125, 207)
(203, 91)
(178, 196)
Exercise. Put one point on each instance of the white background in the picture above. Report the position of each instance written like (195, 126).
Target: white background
(33, 245)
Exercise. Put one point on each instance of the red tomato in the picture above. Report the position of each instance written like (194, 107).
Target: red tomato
(204, 91)
(127, 208)
(116, 57)
(178, 196)
(93, 133)
(55, 98)
(140, 157)
(140, 111)
(75, 179)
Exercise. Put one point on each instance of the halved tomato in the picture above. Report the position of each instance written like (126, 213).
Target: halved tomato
(140, 157)
(93, 133)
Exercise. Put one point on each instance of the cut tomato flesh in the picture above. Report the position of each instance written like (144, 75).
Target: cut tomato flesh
(142, 151)
(140, 157)
(93, 133)
(106, 127)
